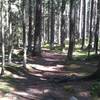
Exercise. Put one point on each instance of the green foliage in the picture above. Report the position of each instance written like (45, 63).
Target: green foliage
(17, 56)
(95, 89)
(46, 46)
(21, 53)
(58, 48)
(69, 89)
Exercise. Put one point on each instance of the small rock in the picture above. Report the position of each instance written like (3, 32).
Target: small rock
(73, 98)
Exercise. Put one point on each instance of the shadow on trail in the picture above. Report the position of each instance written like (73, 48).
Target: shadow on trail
(31, 87)
(48, 59)
(43, 82)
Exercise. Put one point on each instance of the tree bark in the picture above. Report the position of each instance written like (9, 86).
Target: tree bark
(24, 35)
(3, 40)
(10, 43)
(72, 29)
(96, 34)
(52, 25)
(91, 34)
(10, 48)
(30, 27)
(83, 29)
(48, 25)
(63, 31)
(37, 34)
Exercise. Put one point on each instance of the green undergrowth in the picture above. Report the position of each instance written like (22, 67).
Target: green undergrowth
(5, 88)
(8, 81)
(5, 84)
(57, 48)
(69, 89)
(95, 89)
(46, 46)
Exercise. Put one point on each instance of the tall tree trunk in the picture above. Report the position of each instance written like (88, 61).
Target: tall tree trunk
(30, 27)
(83, 29)
(59, 28)
(71, 31)
(48, 21)
(96, 34)
(43, 23)
(10, 48)
(37, 34)
(10, 43)
(52, 25)
(86, 20)
(3, 40)
(81, 18)
(24, 34)
(91, 35)
(63, 31)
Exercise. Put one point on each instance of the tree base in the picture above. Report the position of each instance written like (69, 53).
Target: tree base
(36, 54)
(2, 72)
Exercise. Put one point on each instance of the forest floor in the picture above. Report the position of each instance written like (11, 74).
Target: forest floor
(42, 80)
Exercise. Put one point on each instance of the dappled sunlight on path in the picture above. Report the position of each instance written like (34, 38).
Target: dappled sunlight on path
(41, 81)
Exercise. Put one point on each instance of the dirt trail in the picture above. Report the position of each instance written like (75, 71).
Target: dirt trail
(39, 85)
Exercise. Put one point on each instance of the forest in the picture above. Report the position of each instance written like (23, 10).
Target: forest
(49, 50)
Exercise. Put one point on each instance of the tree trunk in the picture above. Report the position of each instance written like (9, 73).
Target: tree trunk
(37, 34)
(96, 34)
(10, 48)
(24, 35)
(63, 31)
(83, 29)
(10, 43)
(72, 29)
(86, 20)
(52, 25)
(48, 25)
(91, 35)
(30, 27)
(3, 40)
(81, 18)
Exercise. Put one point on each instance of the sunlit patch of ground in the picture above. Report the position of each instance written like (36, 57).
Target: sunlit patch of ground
(5, 87)
(45, 68)
(5, 91)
